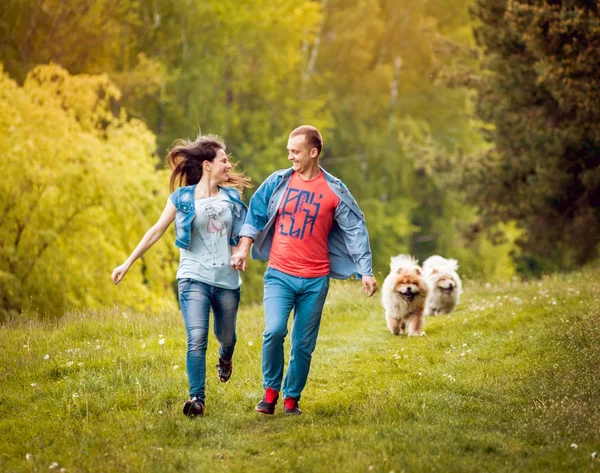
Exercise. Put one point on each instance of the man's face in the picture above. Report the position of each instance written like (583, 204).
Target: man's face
(299, 153)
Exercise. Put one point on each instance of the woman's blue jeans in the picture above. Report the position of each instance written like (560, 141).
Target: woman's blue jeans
(306, 296)
(196, 298)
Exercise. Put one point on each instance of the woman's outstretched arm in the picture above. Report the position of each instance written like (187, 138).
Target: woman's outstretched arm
(152, 236)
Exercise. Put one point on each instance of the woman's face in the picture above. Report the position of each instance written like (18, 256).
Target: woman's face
(220, 166)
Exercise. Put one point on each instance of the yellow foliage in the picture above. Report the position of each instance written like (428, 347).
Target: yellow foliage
(79, 190)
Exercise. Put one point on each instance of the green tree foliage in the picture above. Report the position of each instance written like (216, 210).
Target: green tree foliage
(81, 35)
(79, 190)
(384, 80)
(540, 89)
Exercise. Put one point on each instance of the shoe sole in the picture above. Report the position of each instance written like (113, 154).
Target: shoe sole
(263, 411)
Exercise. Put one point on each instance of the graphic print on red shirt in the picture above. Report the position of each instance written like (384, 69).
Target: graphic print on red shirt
(302, 228)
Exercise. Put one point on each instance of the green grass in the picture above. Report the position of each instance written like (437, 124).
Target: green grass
(506, 383)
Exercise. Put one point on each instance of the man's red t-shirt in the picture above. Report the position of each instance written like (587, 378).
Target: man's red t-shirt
(303, 223)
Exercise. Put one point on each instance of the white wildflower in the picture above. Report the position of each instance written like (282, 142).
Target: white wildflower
(53, 466)
(594, 455)
(160, 412)
(28, 456)
(98, 347)
(250, 344)
(75, 395)
(573, 445)
(143, 345)
(175, 367)
(161, 341)
(33, 385)
(46, 356)
(26, 346)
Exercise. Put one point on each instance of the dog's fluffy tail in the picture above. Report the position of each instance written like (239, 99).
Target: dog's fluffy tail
(403, 261)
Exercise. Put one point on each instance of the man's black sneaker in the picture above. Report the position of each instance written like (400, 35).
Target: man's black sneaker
(194, 407)
(268, 402)
(224, 368)
(290, 407)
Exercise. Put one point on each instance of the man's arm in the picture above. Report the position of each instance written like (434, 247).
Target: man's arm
(357, 238)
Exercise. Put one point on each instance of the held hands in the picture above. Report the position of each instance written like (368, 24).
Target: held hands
(238, 260)
(369, 285)
(119, 273)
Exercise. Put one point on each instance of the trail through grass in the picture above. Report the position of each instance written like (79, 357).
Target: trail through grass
(509, 382)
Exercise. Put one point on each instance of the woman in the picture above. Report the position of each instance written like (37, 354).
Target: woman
(208, 214)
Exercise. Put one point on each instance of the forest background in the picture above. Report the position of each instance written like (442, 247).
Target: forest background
(469, 129)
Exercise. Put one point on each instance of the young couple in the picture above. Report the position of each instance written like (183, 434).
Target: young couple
(302, 220)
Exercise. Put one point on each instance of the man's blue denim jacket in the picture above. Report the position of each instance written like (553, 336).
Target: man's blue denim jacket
(349, 249)
(183, 200)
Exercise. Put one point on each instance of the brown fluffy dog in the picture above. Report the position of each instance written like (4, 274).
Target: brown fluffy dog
(403, 296)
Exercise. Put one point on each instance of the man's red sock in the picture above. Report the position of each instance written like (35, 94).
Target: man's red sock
(289, 402)
(271, 395)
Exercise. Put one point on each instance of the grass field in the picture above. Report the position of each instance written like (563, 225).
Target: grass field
(510, 382)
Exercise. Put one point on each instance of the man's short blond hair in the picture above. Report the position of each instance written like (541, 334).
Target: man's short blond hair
(312, 137)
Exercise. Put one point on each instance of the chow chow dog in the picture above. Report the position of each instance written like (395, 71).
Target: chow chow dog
(403, 296)
(444, 285)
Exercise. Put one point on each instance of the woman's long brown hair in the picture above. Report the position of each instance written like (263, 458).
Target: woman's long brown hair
(186, 157)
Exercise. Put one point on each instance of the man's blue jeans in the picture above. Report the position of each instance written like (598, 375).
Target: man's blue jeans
(306, 296)
(196, 298)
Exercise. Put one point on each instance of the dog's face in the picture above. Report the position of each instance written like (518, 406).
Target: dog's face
(409, 283)
(444, 282)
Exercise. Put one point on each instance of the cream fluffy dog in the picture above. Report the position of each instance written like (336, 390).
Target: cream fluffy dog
(444, 285)
(403, 296)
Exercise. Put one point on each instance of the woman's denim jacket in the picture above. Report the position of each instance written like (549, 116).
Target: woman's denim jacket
(183, 200)
(349, 249)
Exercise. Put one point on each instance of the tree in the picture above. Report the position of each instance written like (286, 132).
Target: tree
(79, 190)
(541, 92)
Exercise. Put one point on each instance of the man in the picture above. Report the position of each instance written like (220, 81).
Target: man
(308, 226)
